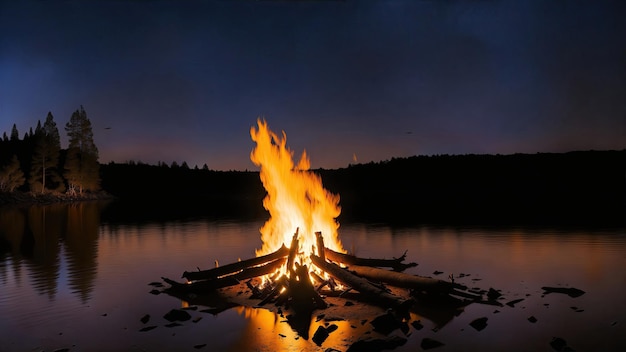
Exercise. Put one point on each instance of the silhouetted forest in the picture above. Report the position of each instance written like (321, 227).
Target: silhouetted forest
(576, 188)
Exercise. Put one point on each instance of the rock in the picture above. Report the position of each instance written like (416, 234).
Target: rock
(348, 304)
(156, 284)
(145, 318)
(479, 324)
(428, 343)
(155, 292)
(570, 291)
(437, 272)
(148, 328)
(558, 344)
(417, 325)
(514, 302)
(331, 328)
(196, 319)
(321, 334)
(173, 325)
(199, 346)
(532, 319)
(385, 323)
(177, 315)
(388, 343)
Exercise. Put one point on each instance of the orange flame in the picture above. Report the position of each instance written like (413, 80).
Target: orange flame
(295, 197)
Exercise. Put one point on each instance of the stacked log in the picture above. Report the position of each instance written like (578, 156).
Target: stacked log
(300, 287)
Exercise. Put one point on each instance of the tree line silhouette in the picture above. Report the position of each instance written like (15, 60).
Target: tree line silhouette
(36, 163)
(578, 188)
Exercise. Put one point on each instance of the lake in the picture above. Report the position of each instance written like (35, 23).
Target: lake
(74, 279)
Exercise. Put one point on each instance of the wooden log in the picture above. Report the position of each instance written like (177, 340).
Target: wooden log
(230, 280)
(403, 280)
(303, 295)
(320, 245)
(235, 267)
(370, 292)
(396, 263)
(293, 250)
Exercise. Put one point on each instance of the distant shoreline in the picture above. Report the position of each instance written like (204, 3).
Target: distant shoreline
(18, 198)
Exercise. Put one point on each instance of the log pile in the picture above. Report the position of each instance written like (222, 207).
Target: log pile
(303, 290)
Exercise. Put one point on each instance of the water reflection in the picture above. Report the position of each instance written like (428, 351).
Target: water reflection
(46, 238)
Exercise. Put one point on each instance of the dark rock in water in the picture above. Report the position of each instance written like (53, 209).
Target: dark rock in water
(570, 291)
(331, 328)
(514, 302)
(199, 346)
(321, 334)
(156, 284)
(148, 328)
(558, 344)
(417, 325)
(428, 344)
(196, 319)
(145, 318)
(496, 311)
(348, 303)
(479, 324)
(155, 292)
(319, 317)
(437, 272)
(388, 343)
(173, 325)
(62, 350)
(385, 323)
(532, 319)
(177, 315)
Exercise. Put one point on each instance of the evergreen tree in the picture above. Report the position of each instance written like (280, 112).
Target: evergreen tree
(81, 164)
(4, 137)
(11, 176)
(15, 135)
(46, 157)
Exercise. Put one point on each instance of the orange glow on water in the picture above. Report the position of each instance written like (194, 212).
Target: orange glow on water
(296, 198)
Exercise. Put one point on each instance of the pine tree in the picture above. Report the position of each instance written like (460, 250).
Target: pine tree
(46, 157)
(11, 176)
(15, 135)
(81, 164)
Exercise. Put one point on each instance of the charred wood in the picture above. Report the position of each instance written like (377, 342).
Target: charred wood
(235, 267)
(396, 264)
(370, 292)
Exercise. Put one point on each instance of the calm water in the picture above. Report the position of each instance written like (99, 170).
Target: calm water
(70, 280)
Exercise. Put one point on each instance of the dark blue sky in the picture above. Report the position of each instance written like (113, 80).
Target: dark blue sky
(185, 80)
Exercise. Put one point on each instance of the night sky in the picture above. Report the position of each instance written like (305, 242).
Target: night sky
(185, 80)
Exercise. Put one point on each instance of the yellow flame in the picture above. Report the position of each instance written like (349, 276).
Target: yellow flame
(295, 197)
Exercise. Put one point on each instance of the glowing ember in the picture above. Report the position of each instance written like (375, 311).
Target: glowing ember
(295, 198)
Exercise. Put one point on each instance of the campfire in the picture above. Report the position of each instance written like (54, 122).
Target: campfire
(302, 263)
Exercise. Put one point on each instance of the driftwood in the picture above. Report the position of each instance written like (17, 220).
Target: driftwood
(374, 294)
(396, 263)
(230, 280)
(403, 280)
(235, 267)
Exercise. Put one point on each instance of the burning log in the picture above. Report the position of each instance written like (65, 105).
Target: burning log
(304, 296)
(396, 263)
(293, 250)
(369, 291)
(235, 267)
(230, 280)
